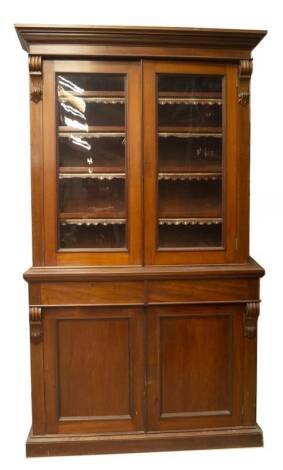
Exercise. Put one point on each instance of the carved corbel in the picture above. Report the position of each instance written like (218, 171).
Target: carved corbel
(35, 71)
(251, 316)
(35, 321)
(245, 72)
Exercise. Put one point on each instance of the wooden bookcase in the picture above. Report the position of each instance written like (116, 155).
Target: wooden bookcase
(143, 297)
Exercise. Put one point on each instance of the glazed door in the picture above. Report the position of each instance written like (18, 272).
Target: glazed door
(94, 369)
(194, 366)
(92, 162)
(190, 162)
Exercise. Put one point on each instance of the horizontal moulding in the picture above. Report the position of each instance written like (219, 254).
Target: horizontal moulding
(188, 177)
(95, 222)
(97, 99)
(190, 101)
(95, 135)
(90, 175)
(190, 221)
(188, 135)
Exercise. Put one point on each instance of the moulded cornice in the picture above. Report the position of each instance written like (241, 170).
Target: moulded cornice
(30, 34)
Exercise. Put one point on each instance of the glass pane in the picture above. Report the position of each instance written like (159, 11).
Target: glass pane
(91, 161)
(190, 175)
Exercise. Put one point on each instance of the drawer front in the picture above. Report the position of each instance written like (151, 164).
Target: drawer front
(152, 292)
(194, 290)
(92, 293)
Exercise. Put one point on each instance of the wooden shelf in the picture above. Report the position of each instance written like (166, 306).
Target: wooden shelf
(191, 176)
(190, 221)
(193, 166)
(186, 131)
(190, 101)
(81, 213)
(91, 93)
(94, 170)
(95, 99)
(99, 176)
(190, 94)
(107, 131)
(89, 221)
(190, 199)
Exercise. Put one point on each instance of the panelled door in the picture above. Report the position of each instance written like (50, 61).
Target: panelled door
(190, 162)
(194, 366)
(92, 162)
(94, 367)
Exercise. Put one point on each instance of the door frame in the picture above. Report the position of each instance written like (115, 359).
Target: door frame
(164, 256)
(132, 255)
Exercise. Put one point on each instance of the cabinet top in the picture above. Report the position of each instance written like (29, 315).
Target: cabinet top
(41, 39)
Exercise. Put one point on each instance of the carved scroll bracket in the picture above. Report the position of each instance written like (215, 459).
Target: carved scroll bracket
(35, 70)
(251, 316)
(35, 319)
(245, 72)
(246, 68)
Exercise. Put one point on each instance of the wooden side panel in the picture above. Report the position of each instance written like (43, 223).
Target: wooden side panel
(94, 369)
(194, 373)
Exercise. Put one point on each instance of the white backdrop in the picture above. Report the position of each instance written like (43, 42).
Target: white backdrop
(266, 217)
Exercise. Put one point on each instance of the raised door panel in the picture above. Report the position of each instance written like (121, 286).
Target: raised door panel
(92, 162)
(194, 372)
(93, 369)
(190, 154)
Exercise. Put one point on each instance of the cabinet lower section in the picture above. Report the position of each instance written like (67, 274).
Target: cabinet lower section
(157, 376)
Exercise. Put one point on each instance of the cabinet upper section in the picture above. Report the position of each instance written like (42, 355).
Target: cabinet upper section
(139, 161)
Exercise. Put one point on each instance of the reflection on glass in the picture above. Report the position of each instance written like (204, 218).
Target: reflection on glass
(190, 176)
(91, 161)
